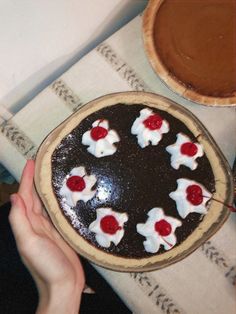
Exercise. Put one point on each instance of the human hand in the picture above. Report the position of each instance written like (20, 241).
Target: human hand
(55, 267)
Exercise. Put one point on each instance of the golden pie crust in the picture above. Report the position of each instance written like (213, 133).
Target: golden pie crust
(214, 219)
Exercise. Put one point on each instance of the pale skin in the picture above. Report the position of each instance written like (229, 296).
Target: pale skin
(54, 265)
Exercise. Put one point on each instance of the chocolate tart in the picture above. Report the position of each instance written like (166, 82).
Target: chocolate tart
(191, 45)
(135, 180)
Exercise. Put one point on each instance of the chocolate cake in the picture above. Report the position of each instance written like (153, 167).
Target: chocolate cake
(133, 179)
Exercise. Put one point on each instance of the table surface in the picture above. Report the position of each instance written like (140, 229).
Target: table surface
(205, 281)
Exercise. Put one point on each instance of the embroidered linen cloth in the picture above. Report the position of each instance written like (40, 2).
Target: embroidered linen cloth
(204, 282)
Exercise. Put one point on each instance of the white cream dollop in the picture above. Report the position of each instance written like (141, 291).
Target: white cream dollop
(103, 238)
(145, 135)
(72, 197)
(103, 146)
(153, 239)
(184, 206)
(177, 158)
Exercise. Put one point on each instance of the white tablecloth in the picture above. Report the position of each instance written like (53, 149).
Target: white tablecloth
(204, 282)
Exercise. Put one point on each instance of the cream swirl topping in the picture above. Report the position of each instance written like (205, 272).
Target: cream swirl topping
(149, 127)
(184, 152)
(159, 229)
(77, 185)
(108, 226)
(190, 197)
(100, 139)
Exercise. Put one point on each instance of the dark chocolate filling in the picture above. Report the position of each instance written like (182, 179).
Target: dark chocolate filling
(136, 179)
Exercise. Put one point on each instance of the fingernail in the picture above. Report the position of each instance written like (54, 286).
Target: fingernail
(13, 199)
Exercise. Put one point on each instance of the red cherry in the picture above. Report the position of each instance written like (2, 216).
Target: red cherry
(163, 227)
(98, 132)
(189, 149)
(109, 224)
(194, 194)
(76, 183)
(153, 122)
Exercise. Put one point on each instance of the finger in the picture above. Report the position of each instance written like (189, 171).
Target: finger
(60, 241)
(20, 224)
(37, 204)
(64, 246)
(45, 213)
(26, 184)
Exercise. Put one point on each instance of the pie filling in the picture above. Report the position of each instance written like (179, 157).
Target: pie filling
(196, 43)
(132, 180)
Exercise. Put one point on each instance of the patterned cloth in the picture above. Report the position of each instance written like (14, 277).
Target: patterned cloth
(204, 282)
